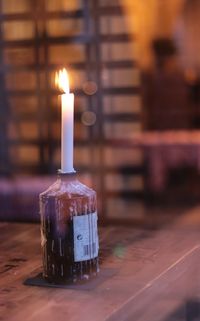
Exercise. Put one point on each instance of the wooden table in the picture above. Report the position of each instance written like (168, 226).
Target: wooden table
(155, 276)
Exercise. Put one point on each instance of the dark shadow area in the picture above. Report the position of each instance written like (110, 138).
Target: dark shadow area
(182, 189)
(189, 311)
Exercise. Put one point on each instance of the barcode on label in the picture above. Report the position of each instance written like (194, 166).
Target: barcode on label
(86, 242)
(89, 249)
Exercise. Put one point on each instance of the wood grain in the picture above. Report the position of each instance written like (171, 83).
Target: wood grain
(157, 275)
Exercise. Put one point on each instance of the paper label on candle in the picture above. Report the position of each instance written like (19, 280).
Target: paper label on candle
(86, 243)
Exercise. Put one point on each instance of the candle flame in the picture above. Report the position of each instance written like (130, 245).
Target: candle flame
(62, 80)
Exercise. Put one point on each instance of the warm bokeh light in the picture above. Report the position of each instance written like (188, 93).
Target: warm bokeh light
(88, 118)
(90, 87)
(62, 80)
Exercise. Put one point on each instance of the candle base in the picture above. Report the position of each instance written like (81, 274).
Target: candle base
(60, 172)
(69, 237)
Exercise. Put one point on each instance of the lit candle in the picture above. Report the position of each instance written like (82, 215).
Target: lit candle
(67, 126)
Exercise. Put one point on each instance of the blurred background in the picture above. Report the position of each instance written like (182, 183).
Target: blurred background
(135, 70)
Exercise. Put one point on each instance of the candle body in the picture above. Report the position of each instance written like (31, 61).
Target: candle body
(69, 236)
(67, 133)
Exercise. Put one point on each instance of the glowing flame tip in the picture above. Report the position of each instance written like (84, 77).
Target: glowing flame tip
(62, 80)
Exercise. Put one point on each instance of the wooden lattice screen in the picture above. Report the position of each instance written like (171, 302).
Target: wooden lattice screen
(92, 39)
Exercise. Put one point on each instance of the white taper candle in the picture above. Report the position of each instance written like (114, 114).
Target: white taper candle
(67, 133)
(67, 125)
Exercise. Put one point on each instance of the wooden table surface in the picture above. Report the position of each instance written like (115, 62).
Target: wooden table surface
(155, 276)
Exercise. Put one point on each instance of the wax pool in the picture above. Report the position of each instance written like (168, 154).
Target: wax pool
(69, 236)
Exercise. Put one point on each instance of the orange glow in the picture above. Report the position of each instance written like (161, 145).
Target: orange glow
(62, 80)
